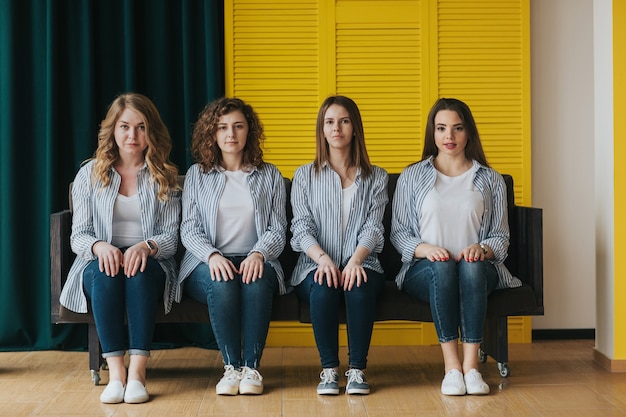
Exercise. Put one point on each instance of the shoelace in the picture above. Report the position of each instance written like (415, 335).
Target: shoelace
(249, 373)
(474, 377)
(328, 375)
(355, 375)
(231, 373)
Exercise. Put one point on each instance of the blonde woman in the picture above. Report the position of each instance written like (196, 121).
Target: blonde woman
(125, 233)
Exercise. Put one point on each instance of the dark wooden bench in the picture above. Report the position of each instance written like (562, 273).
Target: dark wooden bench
(525, 261)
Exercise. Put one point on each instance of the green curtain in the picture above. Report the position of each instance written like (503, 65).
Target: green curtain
(61, 63)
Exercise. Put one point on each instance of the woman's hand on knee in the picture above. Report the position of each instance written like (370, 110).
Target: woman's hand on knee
(110, 258)
(251, 268)
(472, 253)
(351, 274)
(221, 268)
(431, 252)
(327, 272)
(135, 259)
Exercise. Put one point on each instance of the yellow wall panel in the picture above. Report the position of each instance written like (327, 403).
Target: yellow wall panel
(619, 152)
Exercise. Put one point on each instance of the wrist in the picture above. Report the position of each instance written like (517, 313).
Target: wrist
(151, 246)
(258, 254)
(484, 248)
(93, 247)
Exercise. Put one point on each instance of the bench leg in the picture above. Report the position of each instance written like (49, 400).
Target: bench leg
(95, 353)
(496, 343)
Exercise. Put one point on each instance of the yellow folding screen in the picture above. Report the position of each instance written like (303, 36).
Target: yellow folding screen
(394, 58)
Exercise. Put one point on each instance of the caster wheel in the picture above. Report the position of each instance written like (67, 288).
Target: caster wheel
(482, 356)
(95, 377)
(504, 369)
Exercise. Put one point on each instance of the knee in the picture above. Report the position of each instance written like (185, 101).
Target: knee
(145, 281)
(366, 289)
(263, 287)
(473, 273)
(361, 298)
(223, 288)
(445, 272)
(324, 293)
(473, 269)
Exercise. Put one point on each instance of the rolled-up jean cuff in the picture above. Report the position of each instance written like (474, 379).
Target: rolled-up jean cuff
(113, 354)
(139, 352)
(471, 341)
(448, 339)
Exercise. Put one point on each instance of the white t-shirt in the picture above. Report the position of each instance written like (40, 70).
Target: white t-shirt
(126, 221)
(452, 212)
(348, 196)
(236, 230)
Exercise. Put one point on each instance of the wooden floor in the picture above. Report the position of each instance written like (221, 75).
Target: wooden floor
(548, 378)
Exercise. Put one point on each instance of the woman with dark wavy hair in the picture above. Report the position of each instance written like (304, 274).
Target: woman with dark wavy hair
(449, 223)
(233, 227)
(125, 233)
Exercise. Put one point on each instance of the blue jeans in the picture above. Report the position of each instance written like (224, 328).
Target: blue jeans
(239, 312)
(457, 293)
(113, 298)
(324, 305)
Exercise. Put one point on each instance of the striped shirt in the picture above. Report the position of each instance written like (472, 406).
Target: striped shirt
(201, 196)
(92, 221)
(414, 184)
(317, 212)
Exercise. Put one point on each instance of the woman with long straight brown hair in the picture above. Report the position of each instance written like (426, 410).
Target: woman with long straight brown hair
(338, 203)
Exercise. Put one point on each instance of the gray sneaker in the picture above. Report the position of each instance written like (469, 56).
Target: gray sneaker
(357, 384)
(329, 384)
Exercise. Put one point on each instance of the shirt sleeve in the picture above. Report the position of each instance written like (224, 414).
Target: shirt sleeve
(303, 228)
(371, 235)
(193, 234)
(273, 214)
(404, 233)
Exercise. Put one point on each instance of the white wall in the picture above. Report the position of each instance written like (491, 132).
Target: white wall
(604, 138)
(562, 76)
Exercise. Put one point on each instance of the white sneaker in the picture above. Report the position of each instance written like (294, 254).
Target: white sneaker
(474, 383)
(229, 384)
(453, 383)
(136, 392)
(113, 393)
(251, 381)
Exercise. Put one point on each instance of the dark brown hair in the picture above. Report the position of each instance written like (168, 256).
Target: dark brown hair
(473, 149)
(358, 154)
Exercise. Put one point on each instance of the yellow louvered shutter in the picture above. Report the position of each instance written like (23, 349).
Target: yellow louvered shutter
(394, 58)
